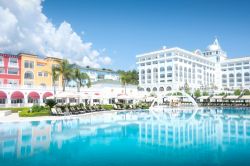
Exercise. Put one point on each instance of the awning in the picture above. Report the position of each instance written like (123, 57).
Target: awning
(203, 97)
(245, 97)
(34, 95)
(217, 97)
(231, 97)
(47, 94)
(3, 95)
(17, 95)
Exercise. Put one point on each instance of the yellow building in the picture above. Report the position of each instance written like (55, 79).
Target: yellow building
(36, 71)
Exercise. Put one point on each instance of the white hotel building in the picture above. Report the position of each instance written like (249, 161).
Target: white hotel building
(173, 68)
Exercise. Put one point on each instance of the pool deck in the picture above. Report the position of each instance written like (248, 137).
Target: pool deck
(14, 117)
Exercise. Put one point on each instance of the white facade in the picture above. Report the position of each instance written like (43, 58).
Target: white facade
(174, 68)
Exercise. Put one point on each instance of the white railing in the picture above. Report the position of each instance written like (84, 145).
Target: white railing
(13, 64)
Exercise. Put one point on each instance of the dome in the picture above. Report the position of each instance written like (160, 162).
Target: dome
(198, 52)
(215, 46)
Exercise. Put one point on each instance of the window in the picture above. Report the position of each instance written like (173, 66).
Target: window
(40, 64)
(1, 60)
(169, 68)
(45, 74)
(29, 64)
(12, 82)
(13, 71)
(28, 75)
(2, 70)
(40, 74)
(13, 61)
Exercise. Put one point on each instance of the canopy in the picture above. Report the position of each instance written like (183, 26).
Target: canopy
(47, 94)
(34, 95)
(217, 97)
(231, 97)
(17, 95)
(245, 97)
(3, 95)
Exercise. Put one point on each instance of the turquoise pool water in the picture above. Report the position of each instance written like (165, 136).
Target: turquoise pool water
(173, 137)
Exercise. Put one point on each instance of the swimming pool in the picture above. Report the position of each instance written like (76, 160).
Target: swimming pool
(218, 136)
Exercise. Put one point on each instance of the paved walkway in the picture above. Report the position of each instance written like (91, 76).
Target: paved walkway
(14, 117)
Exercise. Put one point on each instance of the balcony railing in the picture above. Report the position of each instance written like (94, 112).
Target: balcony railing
(13, 64)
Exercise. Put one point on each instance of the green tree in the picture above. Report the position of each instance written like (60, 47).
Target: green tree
(205, 93)
(187, 88)
(51, 103)
(55, 76)
(128, 77)
(81, 78)
(197, 93)
(246, 92)
(65, 69)
(237, 92)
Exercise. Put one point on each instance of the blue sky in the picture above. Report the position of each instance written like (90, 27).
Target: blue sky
(129, 27)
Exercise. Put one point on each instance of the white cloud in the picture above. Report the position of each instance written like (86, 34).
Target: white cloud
(24, 28)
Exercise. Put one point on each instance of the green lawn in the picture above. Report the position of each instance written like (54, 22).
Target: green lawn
(16, 109)
(26, 113)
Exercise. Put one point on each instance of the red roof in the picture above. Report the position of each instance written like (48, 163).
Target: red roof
(17, 95)
(34, 95)
(3, 95)
(47, 94)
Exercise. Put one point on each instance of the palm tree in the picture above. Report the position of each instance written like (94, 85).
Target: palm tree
(66, 70)
(125, 79)
(55, 77)
(80, 78)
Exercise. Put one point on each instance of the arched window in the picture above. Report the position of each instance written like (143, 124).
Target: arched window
(142, 71)
(169, 88)
(154, 89)
(161, 89)
(231, 75)
(246, 74)
(148, 90)
(224, 76)
(149, 71)
(28, 75)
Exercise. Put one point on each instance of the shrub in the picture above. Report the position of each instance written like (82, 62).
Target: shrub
(26, 113)
(107, 107)
(37, 108)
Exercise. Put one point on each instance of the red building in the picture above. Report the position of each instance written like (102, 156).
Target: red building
(10, 66)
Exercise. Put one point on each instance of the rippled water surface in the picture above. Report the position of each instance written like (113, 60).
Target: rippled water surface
(173, 137)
